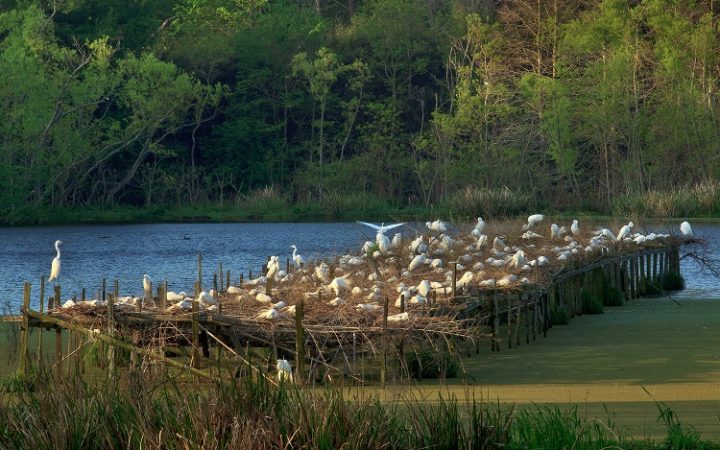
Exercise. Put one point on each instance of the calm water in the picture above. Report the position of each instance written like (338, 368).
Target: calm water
(169, 251)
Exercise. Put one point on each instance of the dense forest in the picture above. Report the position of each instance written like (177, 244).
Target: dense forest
(495, 105)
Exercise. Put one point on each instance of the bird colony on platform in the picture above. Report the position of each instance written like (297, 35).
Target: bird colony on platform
(408, 269)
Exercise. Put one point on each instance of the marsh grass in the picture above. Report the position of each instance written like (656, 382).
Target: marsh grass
(702, 199)
(468, 203)
(559, 315)
(672, 282)
(142, 410)
(590, 303)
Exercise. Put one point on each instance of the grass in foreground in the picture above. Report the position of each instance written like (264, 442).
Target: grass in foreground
(142, 411)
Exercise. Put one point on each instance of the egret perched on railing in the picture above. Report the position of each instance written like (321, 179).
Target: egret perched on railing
(55, 269)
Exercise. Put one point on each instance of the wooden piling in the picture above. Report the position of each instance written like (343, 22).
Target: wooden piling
(496, 322)
(104, 289)
(195, 327)
(215, 283)
(300, 343)
(58, 334)
(199, 266)
(148, 296)
(509, 320)
(642, 281)
(383, 363)
(227, 280)
(220, 275)
(42, 332)
(454, 279)
(111, 329)
(24, 331)
(655, 267)
(161, 296)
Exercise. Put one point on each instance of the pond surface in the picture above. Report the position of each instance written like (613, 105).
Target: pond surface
(169, 252)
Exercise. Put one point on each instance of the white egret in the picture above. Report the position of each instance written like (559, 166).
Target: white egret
(382, 241)
(147, 283)
(284, 371)
(55, 269)
(479, 227)
(438, 225)
(685, 229)
(518, 259)
(338, 285)
(402, 317)
(575, 227)
(498, 244)
(415, 263)
(273, 266)
(207, 299)
(367, 306)
(625, 231)
(396, 241)
(297, 259)
(533, 220)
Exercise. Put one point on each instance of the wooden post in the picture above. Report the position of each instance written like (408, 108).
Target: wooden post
(509, 320)
(24, 330)
(162, 300)
(58, 334)
(227, 280)
(641, 289)
(42, 331)
(633, 277)
(148, 296)
(220, 275)
(195, 327)
(104, 288)
(287, 266)
(496, 321)
(402, 303)
(300, 343)
(199, 278)
(454, 279)
(111, 329)
(655, 267)
(648, 269)
(215, 283)
(383, 363)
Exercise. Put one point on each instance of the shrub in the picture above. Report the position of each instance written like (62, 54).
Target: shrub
(559, 315)
(430, 364)
(590, 303)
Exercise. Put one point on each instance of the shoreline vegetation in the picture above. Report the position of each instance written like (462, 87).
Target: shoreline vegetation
(270, 205)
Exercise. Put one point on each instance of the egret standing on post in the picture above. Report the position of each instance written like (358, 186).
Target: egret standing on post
(55, 269)
(685, 229)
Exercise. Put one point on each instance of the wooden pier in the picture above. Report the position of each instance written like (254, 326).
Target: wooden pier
(224, 342)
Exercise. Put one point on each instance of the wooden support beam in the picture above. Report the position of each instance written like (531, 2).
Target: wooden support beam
(24, 331)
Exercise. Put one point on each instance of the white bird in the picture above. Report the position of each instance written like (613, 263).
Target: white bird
(382, 228)
(575, 227)
(396, 241)
(338, 285)
(297, 259)
(402, 317)
(147, 283)
(233, 290)
(284, 371)
(625, 231)
(479, 227)
(418, 245)
(273, 266)
(367, 306)
(464, 280)
(417, 260)
(323, 272)
(438, 225)
(556, 232)
(55, 269)
(685, 229)
(269, 314)
(518, 259)
(424, 288)
(173, 297)
(207, 299)
(498, 244)
(533, 220)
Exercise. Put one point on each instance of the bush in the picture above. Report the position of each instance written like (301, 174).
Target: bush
(672, 282)
(559, 315)
(612, 296)
(590, 303)
(430, 364)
